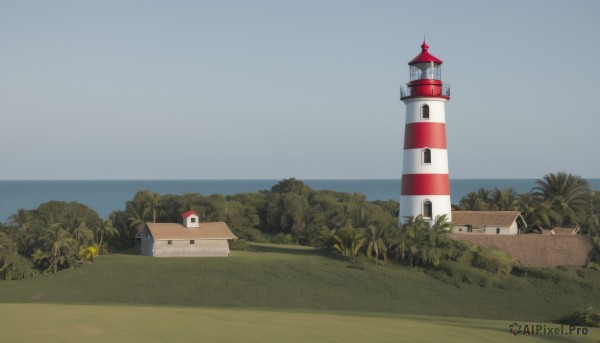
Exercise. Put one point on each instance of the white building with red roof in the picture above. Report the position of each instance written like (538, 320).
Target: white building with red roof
(192, 238)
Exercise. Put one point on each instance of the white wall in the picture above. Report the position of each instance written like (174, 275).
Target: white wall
(412, 162)
(437, 111)
(412, 205)
(187, 222)
(201, 248)
(489, 230)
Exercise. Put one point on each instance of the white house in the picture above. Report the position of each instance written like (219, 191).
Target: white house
(488, 222)
(192, 238)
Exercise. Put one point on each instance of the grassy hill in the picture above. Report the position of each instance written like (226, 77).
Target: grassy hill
(284, 277)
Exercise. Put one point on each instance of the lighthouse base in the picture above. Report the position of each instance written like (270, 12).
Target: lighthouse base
(413, 205)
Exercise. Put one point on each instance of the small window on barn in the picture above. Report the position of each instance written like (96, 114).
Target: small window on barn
(427, 209)
(497, 230)
(469, 228)
(193, 219)
(192, 241)
(169, 242)
(460, 229)
(427, 156)
(425, 112)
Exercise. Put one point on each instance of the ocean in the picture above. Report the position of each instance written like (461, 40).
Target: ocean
(106, 196)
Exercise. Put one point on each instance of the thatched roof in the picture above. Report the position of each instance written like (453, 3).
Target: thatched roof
(174, 231)
(538, 250)
(481, 219)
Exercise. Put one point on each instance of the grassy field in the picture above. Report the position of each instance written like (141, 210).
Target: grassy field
(122, 323)
(283, 277)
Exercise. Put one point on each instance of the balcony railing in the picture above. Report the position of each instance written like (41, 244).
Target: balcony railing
(443, 91)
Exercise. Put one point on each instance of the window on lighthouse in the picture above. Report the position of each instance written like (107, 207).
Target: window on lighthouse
(427, 156)
(427, 209)
(425, 112)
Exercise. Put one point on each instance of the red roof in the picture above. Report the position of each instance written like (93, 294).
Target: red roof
(425, 56)
(189, 213)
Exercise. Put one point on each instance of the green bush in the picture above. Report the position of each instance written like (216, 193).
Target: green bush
(238, 244)
(282, 238)
(251, 235)
(493, 261)
(590, 318)
(22, 269)
(593, 266)
(455, 273)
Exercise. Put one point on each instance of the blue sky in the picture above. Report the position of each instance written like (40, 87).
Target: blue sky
(277, 89)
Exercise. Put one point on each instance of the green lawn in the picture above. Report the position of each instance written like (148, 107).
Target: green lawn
(282, 277)
(123, 323)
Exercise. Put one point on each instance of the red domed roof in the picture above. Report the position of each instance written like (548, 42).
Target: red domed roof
(425, 56)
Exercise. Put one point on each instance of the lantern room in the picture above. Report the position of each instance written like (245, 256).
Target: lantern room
(425, 66)
(426, 71)
(425, 77)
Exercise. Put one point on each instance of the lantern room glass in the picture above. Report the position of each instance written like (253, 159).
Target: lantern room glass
(426, 71)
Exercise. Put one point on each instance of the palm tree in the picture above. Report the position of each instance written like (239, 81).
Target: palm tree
(375, 242)
(325, 238)
(566, 194)
(536, 210)
(504, 200)
(21, 219)
(59, 243)
(475, 201)
(591, 221)
(349, 241)
(21, 223)
(80, 231)
(137, 221)
(420, 244)
(9, 253)
(153, 201)
(105, 229)
(408, 243)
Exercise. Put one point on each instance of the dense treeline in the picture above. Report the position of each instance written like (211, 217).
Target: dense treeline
(60, 235)
(290, 211)
(54, 236)
(557, 200)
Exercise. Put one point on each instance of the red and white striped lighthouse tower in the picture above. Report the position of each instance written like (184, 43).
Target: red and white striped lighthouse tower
(425, 181)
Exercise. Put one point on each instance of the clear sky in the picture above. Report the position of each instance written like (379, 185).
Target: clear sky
(278, 89)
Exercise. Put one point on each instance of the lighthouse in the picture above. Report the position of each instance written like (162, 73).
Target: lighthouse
(425, 181)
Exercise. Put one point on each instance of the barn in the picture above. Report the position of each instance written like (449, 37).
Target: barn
(189, 239)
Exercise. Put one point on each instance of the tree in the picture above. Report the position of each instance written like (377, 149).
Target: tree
(566, 195)
(153, 201)
(326, 238)
(9, 254)
(87, 254)
(473, 201)
(422, 245)
(375, 242)
(504, 200)
(536, 210)
(105, 229)
(349, 241)
(291, 186)
(61, 246)
(20, 229)
(591, 221)
(81, 233)
(21, 219)
(137, 220)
